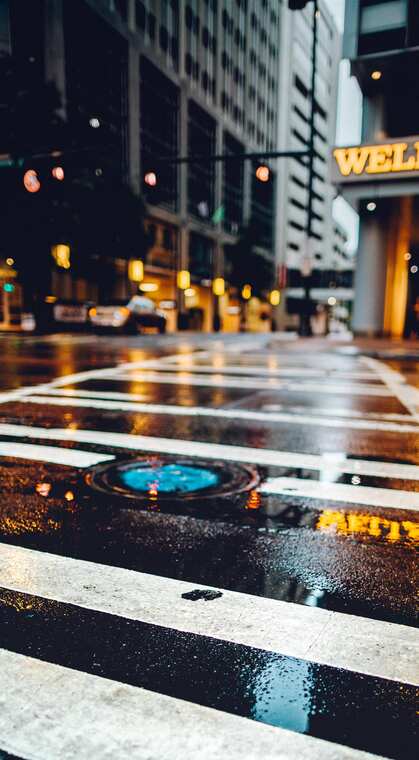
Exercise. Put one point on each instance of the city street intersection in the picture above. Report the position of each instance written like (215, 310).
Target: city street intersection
(208, 547)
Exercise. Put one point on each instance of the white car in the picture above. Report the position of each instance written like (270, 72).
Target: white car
(129, 317)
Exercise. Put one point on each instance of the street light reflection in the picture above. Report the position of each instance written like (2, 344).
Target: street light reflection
(44, 489)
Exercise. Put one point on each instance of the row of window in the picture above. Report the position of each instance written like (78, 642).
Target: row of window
(193, 70)
(228, 66)
(255, 23)
(321, 278)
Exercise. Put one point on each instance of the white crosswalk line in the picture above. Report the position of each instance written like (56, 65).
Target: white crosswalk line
(119, 402)
(77, 715)
(387, 498)
(262, 371)
(56, 455)
(267, 457)
(372, 647)
(223, 381)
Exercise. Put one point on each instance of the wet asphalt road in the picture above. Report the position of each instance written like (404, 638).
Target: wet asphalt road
(310, 451)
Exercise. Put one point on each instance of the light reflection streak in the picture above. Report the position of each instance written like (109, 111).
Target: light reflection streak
(350, 523)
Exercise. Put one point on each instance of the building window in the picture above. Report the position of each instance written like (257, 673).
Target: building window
(151, 26)
(164, 38)
(140, 15)
(159, 137)
(201, 177)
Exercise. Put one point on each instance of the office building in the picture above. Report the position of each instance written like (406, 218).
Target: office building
(293, 132)
(380, 177)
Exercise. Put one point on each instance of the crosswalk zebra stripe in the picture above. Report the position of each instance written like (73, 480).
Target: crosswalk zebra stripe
(103, 400)
(386, 498)
(407, 394)
(53, 454)
(372, 647)
(262, 371)
(222, 381)
(265, 457)
(295, 411)
(76, 714)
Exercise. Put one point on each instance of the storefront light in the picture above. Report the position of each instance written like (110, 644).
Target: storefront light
(190, 292)
(149, 287)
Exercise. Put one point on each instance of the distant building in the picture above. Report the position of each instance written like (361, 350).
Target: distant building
(293, 132)
(380, 178)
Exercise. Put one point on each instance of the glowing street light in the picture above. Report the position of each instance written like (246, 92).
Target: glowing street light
(246, 292)
(218, 286)
(275, 297)
(183, 279)
(61, 254)
(136, 270)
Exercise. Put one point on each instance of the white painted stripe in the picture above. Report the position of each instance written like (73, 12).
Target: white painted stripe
(372, 647)
(396, 383)
(314, 489)
(73, 379)
(263, 371)
(78, 715)
(56, 455)
(325, 462)
(338, 412)
(303, 411)
(93, 400)
(222, 381)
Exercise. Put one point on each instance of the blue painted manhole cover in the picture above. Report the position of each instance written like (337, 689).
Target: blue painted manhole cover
(166, 478)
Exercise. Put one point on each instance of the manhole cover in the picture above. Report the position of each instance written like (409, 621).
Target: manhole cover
(165, 478)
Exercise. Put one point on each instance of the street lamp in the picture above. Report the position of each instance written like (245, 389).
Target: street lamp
(183, 279)
(218, 289)
(275, 297)
(136, 270)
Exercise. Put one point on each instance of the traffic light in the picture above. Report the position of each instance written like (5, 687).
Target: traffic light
(297, 5)
(150, 179)
(263, 173)
(31, 181)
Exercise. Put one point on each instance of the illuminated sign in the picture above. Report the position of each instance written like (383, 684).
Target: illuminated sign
(391, 160)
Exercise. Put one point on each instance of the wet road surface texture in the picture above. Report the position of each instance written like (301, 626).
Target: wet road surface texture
(208, 545)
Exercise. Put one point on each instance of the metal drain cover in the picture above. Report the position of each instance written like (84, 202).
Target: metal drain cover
(167, 478)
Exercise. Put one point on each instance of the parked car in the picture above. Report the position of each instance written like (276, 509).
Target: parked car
(131, 317)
